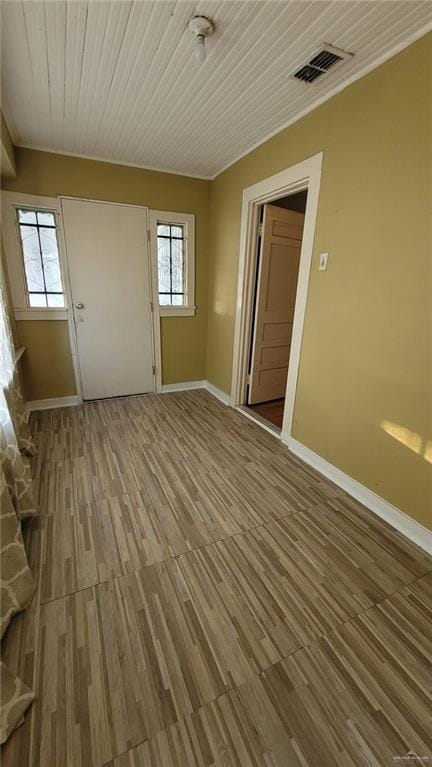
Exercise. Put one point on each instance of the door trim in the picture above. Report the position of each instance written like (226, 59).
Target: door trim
(303, 175)
(68, 291)
(155, 337)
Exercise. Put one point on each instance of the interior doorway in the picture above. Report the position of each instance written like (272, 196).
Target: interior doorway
(278, 249)
(298, 188)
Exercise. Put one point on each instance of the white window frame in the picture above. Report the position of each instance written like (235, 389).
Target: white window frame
(187, 220)
(11, 201)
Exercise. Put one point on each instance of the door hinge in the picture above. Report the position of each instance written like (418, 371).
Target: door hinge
(248, 379)
(148, 235)
(154, 370)
(151, 306)
(260, 229)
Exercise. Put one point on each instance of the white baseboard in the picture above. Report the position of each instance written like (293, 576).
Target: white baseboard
(49, 404)
(188, 385)
(183, 386)
(218, 393)
(55, 402)
(412, 530)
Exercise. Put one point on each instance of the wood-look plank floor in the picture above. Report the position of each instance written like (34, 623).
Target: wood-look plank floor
(204, 599)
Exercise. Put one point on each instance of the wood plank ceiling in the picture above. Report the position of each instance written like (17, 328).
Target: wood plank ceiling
(119, 81)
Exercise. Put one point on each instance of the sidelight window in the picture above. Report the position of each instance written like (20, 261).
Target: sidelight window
(171, 251)
(39, 247)
(172, 237)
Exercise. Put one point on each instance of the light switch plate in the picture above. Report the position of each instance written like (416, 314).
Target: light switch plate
(323, 262)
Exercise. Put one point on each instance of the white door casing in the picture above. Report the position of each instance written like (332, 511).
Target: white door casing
(279, 260)
(304, 175)
(109, 272)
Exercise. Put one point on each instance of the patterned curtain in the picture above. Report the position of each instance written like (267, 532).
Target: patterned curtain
(17, 584)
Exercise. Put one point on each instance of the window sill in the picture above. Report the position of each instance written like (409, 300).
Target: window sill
(177, 311)
(41, 314)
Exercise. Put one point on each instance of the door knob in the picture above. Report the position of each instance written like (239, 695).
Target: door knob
(79, 305)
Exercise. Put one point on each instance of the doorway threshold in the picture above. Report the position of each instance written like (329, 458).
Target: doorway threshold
(258, 419)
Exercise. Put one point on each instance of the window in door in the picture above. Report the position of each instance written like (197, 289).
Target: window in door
(172, 237)
(40, 254)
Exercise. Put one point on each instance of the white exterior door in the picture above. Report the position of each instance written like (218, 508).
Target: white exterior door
(111, 296)
(275, 302)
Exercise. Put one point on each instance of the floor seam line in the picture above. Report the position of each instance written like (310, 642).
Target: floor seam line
(177, 556)
(234, 688)
(200, 548)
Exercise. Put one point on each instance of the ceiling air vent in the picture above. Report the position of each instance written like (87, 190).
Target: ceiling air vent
(325, 59)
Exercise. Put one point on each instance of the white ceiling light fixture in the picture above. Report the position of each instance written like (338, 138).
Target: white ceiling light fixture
(201, 27)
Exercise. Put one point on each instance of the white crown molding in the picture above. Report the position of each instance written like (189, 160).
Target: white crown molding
(110, 161)
(209, 177)
(361, 73)
(51, 404)
(404, 524)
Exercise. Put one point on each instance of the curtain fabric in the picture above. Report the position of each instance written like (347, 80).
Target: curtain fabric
(17, 583)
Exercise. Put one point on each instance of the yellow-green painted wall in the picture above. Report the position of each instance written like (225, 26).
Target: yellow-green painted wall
(47, 366)
(364, 388)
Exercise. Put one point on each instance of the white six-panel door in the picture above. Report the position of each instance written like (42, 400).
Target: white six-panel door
(109, 274)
